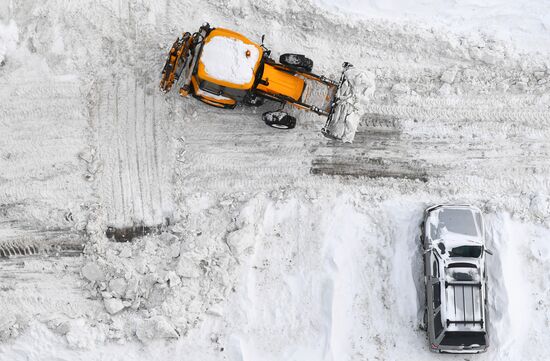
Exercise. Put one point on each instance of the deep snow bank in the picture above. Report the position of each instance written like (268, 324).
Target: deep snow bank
(315, 277)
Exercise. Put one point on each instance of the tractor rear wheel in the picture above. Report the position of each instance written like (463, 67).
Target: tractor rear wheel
(298, 62)
(279, 120)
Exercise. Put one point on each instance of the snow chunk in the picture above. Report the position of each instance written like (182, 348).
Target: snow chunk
(154, 328)
(132, 289)
(117, 286)
(226, 59)
(400, 88)
(540, 206)
(445, 89)
(93, 273)
(539, 75)
(175, 250)
(125, 253)
(173, 279)
(80, 335)
(187, 268)
(113, 305)
(449, 75)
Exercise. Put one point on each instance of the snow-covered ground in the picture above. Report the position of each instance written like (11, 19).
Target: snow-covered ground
(265, 244)
(525, 24)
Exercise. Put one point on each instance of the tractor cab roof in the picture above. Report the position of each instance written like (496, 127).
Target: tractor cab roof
(229, 59)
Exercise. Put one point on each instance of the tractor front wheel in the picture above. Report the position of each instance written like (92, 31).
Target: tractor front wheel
(297, 62)
(279, 120)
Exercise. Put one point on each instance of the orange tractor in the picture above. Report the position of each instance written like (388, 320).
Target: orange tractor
(223, 68)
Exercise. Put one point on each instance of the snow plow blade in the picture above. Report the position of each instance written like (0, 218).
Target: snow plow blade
(354, 90)
(177, 60)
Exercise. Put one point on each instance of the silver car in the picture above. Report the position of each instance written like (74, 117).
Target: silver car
(454, 274)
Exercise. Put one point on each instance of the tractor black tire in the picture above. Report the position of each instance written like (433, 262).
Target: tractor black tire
(279, 120)
(297, 62)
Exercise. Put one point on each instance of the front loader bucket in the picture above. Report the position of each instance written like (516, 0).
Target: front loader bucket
(354, 90)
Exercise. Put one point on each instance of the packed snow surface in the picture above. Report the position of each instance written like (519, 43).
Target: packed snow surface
(252, 243)
(8, 38)
(230, 60)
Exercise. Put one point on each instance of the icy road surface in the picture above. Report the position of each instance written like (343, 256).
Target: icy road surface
(264, 244)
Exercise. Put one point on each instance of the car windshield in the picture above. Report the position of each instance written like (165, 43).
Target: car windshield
(459, 221)
(463, 339)
(466, 251)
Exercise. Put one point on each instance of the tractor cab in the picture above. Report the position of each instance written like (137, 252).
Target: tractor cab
(231, 67)
(227, 67)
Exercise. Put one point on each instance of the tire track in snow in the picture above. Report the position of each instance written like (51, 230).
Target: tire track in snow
(138, 152)
(44, 287)
(527, 116)
(120, 173)
(129, 154)
(146, 151)
(133, 182)
(155, 152)
(42, 190)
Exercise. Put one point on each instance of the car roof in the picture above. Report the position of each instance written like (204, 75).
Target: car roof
(462, 291)
(463, 307)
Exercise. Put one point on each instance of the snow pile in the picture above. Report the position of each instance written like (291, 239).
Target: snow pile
(162, 278)
(8, 39)
(230, 60)
(168, 282)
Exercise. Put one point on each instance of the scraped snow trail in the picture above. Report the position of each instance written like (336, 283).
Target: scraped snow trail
(42, 191)
(271, 244)
(134, 150)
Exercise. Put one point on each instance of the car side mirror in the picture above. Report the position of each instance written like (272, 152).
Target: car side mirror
(488, 251)
(263, 38)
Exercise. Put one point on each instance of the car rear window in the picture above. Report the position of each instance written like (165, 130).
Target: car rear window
(466, 251)
(452, 338)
